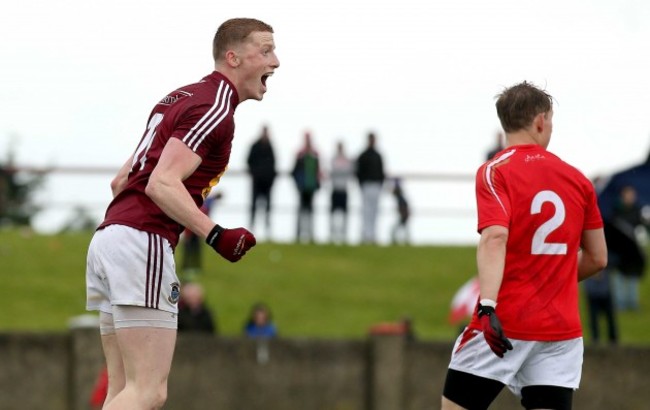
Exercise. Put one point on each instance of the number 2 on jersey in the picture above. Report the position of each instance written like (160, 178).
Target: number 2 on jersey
(141, 153)
(539, 245)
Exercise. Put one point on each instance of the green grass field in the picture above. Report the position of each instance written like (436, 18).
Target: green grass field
(318, 291)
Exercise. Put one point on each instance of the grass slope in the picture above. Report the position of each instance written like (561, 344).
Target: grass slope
(323, 291)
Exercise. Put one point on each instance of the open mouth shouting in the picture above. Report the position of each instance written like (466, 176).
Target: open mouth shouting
(264, 78)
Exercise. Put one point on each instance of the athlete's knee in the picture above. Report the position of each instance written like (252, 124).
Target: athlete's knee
(154, 396)
(160, 397)
(116, 384)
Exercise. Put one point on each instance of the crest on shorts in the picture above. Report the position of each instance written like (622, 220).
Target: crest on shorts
(175, 293)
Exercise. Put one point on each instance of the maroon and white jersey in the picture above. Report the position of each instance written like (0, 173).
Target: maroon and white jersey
(201, 116)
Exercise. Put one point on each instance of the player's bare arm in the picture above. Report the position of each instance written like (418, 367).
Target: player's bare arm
(490, 258)
(119, 182)
(177, 162)
(592, 258)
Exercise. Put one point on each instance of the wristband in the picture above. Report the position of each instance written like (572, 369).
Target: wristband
(488, 302)
(214, 234)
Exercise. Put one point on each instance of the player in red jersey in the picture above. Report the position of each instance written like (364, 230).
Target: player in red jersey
(185, 149)
(541, 232)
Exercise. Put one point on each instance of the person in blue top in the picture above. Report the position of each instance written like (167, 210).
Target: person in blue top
(260, 323)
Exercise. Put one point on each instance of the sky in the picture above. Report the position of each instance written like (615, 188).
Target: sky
(78, 80)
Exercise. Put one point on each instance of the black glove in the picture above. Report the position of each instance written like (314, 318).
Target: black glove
(232, 244)
(492, 330)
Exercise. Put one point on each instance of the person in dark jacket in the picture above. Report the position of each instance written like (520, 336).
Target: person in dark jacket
(370, 173)
(622, 234)
(193, 314)
(600, 302)
(261, 166)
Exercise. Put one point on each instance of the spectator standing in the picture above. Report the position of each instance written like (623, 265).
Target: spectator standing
(194, 315)
(624, 230)
(400, 232)
(370, 174)
(261, 166)
(540, 233)
(600, 303)
(341, 173)
(306, 174)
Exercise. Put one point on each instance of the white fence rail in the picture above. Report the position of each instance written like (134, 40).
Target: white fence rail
(442, 204)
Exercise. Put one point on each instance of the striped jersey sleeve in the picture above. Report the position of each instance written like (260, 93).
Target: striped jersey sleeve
(206, 117)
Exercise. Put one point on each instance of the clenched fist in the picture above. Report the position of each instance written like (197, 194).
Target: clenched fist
(232, 244)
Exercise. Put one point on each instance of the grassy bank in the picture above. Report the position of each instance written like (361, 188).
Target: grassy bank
(314, 290)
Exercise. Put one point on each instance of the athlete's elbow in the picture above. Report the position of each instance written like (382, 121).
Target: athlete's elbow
(117, 185)
(592, 264)
(600, 261)
(599, 257)
(154, 189)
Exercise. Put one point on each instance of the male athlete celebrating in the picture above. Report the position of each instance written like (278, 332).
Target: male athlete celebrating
(541, 232)
(185, 149)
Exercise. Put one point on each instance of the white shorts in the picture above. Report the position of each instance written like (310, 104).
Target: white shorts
(529, 363)
(126, 266)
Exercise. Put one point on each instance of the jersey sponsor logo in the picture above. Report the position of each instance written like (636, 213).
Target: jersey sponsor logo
(172, 98)
(536, 157)
(175, 293)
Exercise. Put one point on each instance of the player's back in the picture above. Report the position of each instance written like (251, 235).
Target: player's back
(546, 204)
(549, 199)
